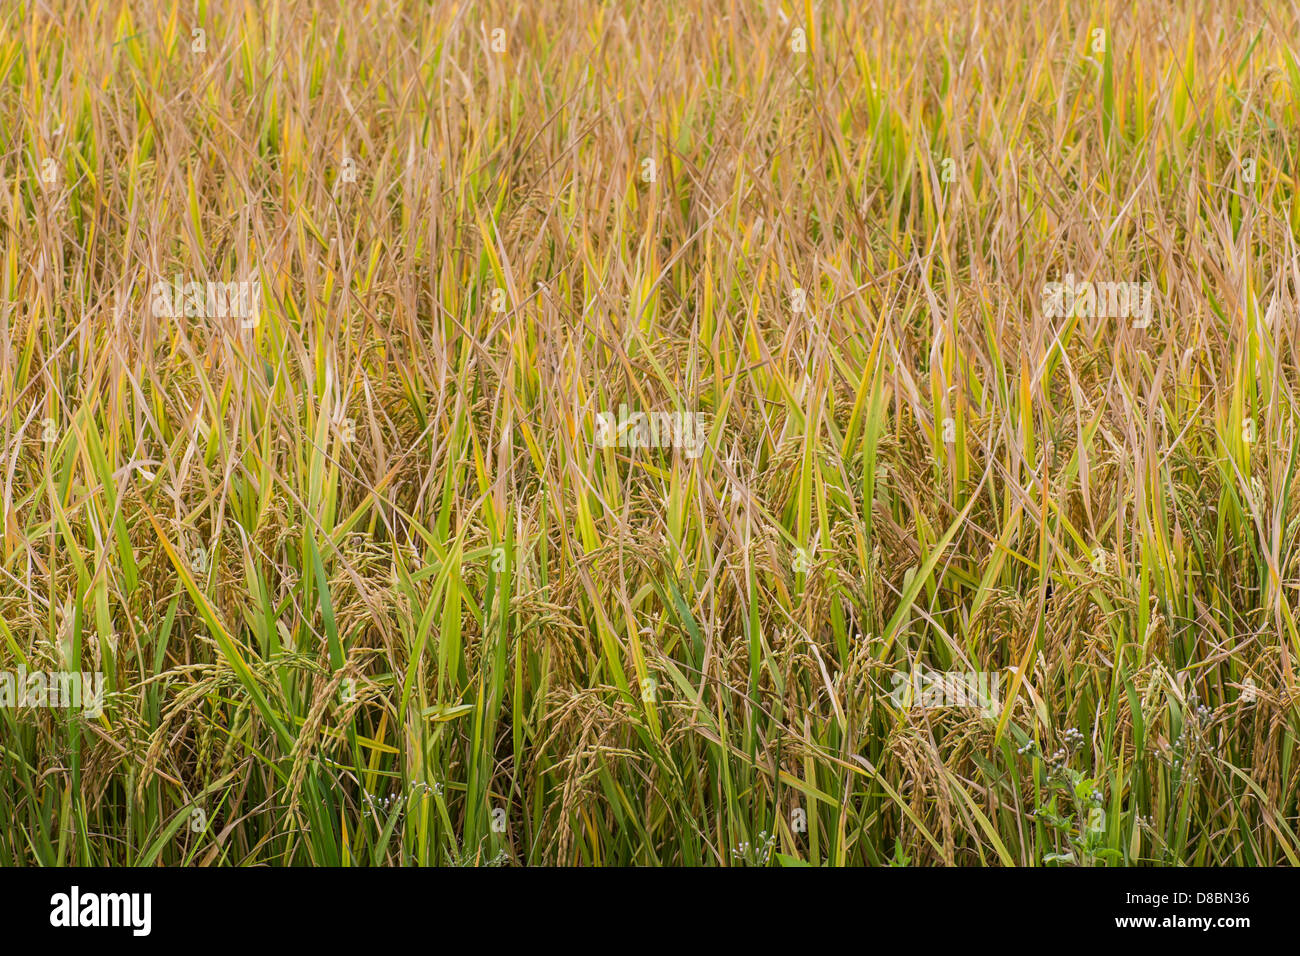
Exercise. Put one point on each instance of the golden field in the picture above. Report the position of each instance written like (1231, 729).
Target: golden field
(314, 321)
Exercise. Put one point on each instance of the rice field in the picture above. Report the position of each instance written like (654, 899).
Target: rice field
(684, 434)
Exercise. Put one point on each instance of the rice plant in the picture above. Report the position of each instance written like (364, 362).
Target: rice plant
(693, 434)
